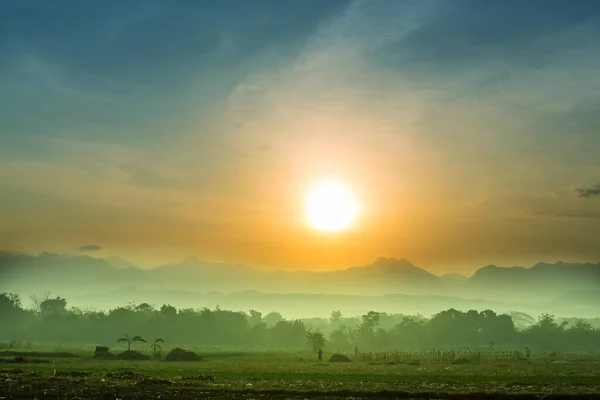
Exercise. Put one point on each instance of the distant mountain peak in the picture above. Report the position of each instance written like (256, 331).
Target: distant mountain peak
(384, 262)
(46, 256)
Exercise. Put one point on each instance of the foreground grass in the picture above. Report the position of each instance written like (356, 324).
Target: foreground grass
(282, 374)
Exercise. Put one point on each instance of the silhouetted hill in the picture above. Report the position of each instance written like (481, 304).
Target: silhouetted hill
(385, 275)
(548, 280)
(53, 272)
(560, 285)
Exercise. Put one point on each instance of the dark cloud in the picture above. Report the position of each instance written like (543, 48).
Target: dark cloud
(90, 247)
(589, 192)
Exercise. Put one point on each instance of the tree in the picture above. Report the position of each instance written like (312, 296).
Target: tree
(336, 317)
(315, 339)
(11, 302)
(168, 311)
(144, 308)
(46, 306)
(38, 300)
(156, 348)
(365, 332)
(130, 340)
(339, 337)
(272, 318)
(255, 318)
(288, 334)
(370, 321)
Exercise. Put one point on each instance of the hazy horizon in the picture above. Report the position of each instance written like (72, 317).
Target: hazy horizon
(100, 253)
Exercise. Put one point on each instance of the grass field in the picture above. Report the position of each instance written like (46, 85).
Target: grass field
(294, 375)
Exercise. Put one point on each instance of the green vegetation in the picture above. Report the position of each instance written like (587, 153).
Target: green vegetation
(156, 347)
(52, 321)
(130, 340)
(454, 352)
(316, 340)
(415, 374)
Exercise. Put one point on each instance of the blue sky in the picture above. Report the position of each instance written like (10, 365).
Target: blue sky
(177, 127)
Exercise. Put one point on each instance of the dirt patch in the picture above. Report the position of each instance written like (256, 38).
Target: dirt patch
(339, 358)
(105, 356)
(182, 355)
(206, 378)
(154, 381)
(51, 354)
(129, 375)
(22, 360)
(132, 355)
(18, 372)
(73, 374)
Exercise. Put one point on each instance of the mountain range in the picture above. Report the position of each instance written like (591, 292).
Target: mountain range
(559, 286)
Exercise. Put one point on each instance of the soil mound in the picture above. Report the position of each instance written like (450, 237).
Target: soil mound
(182, 355)
(103, 353)
(132, 355)
(339, 358)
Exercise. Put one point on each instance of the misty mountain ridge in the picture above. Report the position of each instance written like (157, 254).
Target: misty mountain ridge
(559, 284)
(119, 263)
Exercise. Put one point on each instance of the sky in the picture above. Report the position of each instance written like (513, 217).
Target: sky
(468, 130)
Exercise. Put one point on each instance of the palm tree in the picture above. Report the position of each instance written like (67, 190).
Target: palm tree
(156, 346)
(315, 339)
(129, 340)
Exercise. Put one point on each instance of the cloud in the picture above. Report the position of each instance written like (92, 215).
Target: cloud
(591, 191)
(90, 247)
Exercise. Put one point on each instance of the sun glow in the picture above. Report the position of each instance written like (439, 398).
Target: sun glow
(331, 207)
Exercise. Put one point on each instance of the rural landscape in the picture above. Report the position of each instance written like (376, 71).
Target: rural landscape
(299, 199)
(151, 350)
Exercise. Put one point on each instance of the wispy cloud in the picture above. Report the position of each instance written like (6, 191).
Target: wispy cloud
(588, 192)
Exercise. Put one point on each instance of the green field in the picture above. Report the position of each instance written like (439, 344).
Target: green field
(294, 375)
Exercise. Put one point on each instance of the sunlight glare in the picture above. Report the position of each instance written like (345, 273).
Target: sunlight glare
(331, 207)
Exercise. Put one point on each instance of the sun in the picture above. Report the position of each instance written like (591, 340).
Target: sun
(331, 207)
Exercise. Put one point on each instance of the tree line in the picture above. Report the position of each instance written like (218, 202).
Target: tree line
(51, 320)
